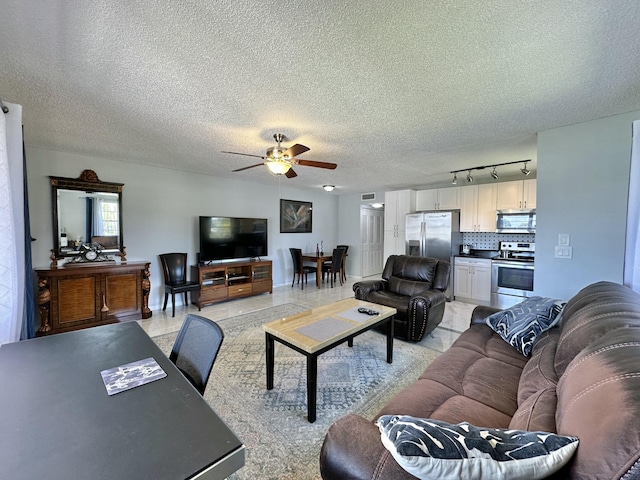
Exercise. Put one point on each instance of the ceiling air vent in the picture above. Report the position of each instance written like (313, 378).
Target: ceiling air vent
(366, 197)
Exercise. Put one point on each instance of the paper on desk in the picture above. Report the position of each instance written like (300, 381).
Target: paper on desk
(131, 375)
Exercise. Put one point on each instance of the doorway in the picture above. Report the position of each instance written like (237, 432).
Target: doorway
(372, 235)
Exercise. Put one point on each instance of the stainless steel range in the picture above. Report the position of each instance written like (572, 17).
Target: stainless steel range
(512, 274)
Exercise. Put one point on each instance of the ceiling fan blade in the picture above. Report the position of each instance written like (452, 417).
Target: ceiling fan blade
(247, 168)
(290, 173)
(245, 154)
(295, 150)
(312, 163)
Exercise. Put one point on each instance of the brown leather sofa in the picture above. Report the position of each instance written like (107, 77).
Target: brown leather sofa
(582, 379)
(415, 287)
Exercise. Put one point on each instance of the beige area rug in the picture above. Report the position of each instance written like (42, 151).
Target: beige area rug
(280, 442)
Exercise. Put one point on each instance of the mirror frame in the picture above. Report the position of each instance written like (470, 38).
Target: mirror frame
(88, 182)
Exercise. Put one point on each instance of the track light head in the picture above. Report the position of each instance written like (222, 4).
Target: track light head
(525, 170)
(455, 179)
(494, 174)
(469, 177)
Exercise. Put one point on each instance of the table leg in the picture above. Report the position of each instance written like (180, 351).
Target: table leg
(318, 271)
(270, 359)
(312, 376)
(390, 340)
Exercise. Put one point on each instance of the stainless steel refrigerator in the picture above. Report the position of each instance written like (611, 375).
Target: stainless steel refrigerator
(434, 234)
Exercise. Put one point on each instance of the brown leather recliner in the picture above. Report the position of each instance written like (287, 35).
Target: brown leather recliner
(415, 287)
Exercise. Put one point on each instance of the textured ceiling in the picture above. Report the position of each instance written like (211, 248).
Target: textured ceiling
(423, 86)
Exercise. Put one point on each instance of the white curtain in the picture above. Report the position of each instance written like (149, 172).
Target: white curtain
(12, 253)
(632, 252)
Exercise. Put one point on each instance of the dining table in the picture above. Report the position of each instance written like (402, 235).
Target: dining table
(319, 259)
(61, 420)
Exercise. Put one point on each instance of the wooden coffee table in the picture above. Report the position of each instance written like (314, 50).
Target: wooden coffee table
(319, 330)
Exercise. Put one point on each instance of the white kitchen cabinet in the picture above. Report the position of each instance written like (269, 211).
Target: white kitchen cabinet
(396, 206)
(438, 199)
(478, 208)
(472, 280)
(516, 195)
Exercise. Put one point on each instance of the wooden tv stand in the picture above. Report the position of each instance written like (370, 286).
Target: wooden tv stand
(225, 281)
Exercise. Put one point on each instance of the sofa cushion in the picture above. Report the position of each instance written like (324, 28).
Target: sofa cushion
(537, 399)
(430, 448)
(521, 324)
(599, 402)
(595, 310)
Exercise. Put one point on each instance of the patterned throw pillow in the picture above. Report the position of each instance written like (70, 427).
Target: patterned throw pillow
(521, 324)
(431, 449)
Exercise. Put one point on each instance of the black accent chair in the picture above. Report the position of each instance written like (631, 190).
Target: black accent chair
(174, 267)
(334, 267)
(299, 268)
(415, 287)
(196, 348)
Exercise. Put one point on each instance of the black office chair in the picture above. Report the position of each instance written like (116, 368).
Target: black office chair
(299, 268)
(335, 267)
(174, 267)
(196, 348)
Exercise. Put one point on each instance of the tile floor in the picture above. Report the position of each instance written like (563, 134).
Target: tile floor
(456, 317)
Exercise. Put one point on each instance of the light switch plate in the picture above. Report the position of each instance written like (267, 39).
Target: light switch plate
(564, 239)
(563, 252)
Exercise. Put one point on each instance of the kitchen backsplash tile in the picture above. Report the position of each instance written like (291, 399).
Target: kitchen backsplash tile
(490, 241)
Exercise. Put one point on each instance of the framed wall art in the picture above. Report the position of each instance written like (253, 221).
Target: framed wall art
(295, 216)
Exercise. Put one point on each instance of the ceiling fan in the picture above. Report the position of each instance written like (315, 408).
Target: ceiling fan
(279, 160)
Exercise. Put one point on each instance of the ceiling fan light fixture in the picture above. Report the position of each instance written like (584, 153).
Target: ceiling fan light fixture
(277, 167)
(328, 188)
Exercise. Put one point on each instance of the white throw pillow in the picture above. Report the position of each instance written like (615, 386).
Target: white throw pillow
(431, 449)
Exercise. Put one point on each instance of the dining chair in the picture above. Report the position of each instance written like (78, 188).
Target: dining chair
(196, 348)
(299, 268)
(174, 268)
(335, 268)
(343, 266)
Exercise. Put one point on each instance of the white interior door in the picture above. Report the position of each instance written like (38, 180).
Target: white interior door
(372, 233)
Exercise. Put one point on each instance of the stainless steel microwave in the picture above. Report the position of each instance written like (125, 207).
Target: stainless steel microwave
(516, 221)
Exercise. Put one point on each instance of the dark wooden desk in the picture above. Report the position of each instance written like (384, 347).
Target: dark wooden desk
(59, 423)
(319, 259)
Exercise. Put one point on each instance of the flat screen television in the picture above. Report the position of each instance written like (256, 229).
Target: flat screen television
(225, 238)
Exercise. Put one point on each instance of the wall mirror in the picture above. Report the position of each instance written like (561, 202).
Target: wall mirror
(86, 211)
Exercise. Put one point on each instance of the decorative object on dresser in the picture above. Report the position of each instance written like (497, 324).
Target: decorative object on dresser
(225, 281)
(87, 219)
(72, 297)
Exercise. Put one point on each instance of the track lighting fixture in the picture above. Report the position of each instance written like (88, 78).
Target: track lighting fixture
(494, 172)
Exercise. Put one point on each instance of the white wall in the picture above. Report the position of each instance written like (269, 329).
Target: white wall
(583, 175)
(161, 209)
